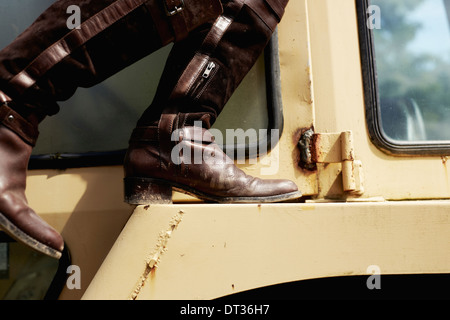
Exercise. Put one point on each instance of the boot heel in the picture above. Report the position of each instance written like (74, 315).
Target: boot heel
(143, 191)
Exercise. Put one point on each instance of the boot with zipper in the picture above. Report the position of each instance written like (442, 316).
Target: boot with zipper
(49, 61)
(167, 151)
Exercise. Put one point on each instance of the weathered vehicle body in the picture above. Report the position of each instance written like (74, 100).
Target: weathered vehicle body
(369, 156)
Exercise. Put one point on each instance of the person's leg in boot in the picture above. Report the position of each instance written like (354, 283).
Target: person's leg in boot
(201, 74)
(48, 62)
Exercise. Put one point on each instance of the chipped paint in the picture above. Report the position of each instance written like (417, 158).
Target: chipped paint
(161, 246)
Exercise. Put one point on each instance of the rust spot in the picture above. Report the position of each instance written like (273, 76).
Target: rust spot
(303, 154)
(316, 153)
(161, 246)
(298, 134)
(152, 274)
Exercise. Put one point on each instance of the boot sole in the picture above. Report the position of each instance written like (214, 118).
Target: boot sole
(9, 228)
(144, 191)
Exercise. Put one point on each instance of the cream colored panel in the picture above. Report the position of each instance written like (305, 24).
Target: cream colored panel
(340, 107)
(86, 206)
(208, 251)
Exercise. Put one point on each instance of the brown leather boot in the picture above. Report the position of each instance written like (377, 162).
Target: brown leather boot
(200, 76)
(48, 62)
(17, 136)
(155, 165)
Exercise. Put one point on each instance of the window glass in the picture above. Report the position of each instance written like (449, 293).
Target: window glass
(101, 118)
(25, 274)
(412, 49)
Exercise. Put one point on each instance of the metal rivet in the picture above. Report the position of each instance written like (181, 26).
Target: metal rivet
(10, 117)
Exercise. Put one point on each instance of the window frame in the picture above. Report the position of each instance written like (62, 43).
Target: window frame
(372, 99)
(63, 161)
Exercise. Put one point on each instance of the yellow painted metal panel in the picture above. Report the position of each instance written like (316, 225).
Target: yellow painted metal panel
(216, 250)
(339, 105)
(86, 206)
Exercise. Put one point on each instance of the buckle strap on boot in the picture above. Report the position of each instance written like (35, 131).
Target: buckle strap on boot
(174, 19)
(173, 7)
(74, 39)
(175, 12)
(95, 25)
(168, 123)
(150, 135)
(16, 123)
(172, 11)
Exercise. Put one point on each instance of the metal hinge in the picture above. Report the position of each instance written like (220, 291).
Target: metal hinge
(326, 148)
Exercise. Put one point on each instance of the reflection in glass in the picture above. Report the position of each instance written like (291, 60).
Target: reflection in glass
(412, 50)
(24, 273)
